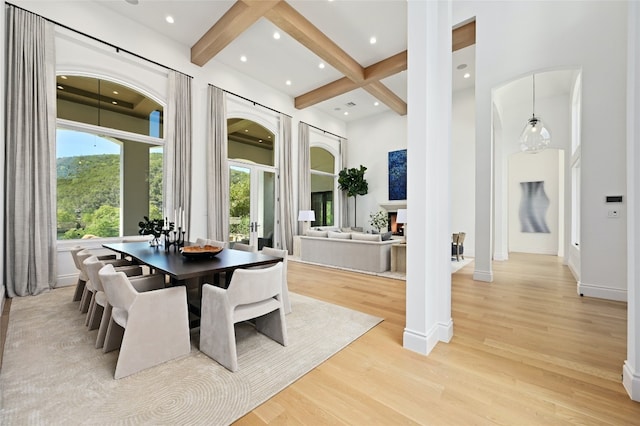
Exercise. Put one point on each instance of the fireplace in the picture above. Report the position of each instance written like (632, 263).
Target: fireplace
(394, 227)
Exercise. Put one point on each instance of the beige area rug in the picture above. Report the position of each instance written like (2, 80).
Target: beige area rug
(52, 374)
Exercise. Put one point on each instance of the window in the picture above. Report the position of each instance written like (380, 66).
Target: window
(108, 160)
(323, 184)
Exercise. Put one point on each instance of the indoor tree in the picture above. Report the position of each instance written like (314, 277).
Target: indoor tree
(353, 182)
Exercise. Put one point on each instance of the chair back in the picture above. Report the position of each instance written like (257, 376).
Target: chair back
(254, 285)
(74, 254)
(83, 255)
(207, 242)
(270, 251)
(120, 293)
(244, 247)
(461, 236)
(92, 266)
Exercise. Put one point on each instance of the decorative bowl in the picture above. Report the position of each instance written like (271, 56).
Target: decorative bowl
(200, 252)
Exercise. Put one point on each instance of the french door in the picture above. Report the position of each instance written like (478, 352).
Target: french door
(252, 204)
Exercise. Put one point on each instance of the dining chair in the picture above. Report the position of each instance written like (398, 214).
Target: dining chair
(82, 277)
(209, 242)
(244, 247)
(150, 327)
(252, 294)
(100, 310)
(457, 245)
(285, 287)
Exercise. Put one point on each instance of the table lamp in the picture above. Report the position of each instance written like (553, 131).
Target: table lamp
(306, 217)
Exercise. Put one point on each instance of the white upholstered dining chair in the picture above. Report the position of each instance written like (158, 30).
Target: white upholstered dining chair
(149, 327)
(285, 287)
(252, 293)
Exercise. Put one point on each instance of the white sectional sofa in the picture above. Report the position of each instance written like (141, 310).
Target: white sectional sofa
(352, 250)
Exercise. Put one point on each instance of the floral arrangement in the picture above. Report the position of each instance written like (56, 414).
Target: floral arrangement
(379, 220)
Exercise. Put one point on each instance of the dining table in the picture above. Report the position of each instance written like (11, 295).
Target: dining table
(180, 268)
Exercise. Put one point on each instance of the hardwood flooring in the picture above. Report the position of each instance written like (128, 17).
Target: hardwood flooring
(527, 350)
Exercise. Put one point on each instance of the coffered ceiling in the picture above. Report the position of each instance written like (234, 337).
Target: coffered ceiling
(357, 77)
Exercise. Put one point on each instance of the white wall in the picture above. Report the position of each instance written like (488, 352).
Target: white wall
(548, 167)
(2, 83)
(370, 141)
(512, 43)
(463, 167)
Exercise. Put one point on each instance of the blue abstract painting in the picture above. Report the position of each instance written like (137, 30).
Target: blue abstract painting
(398, 175)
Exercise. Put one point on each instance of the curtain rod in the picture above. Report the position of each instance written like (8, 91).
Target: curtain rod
(118, 49)
(249, 100)
(324, 131)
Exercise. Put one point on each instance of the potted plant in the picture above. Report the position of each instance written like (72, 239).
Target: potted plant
(353, 182)
(379, 220)
(153, 227)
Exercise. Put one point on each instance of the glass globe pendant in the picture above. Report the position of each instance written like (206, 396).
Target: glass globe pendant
(535, 136)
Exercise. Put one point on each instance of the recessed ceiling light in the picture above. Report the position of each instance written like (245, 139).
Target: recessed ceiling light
(346, 113)
(64, 77)
(114, 102)
(269, 136)
(169, 19)
(372, 40)
(461, 66)
(243, 58)
(276, 35)
(376, 103)
(246, 130)
(260, 140)
(288, 82)
(115, 92)
(467, 75)
(321, 65)
(60, 87)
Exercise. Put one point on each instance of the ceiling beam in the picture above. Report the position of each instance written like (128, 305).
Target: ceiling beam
(378, 71)
(463, 36)
(297, 26)
(238, 18)
(386, 96)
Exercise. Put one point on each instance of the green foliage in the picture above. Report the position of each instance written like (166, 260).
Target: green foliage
(152, 227)
(239, 194)
(379, 220)
(353, 181)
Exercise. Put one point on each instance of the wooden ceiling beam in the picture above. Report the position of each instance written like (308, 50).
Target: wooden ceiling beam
(463, 36)
(387, 97)
(238, 18)
(383, 69)
(301, 29)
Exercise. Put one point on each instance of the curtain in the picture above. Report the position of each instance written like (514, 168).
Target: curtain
(304, 171)
(30, 180)
(177, 152)
(217, 166)
(344, 200)
(287, 209)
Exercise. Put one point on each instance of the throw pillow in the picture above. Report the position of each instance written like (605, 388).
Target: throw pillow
(312, 233)
(340, 235)
(366, 237)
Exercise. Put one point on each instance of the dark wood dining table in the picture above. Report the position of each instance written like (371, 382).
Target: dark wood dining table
(181, 268)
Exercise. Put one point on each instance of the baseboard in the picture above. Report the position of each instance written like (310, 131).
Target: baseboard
(631, 381)
(486, 276)
(424, 343)
(600, 292)
(66, 280)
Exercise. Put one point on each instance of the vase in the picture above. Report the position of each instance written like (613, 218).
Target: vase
(155, 242)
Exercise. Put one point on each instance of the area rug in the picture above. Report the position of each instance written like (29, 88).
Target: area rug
(52, 374)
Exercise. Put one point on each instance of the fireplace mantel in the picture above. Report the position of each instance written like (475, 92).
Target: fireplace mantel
(393, 206)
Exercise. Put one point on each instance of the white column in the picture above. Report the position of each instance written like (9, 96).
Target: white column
(429, 182)
(631, 368)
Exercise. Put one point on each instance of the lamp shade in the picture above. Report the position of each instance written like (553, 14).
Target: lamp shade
(535, 136)
(401, 216)
(306, 216)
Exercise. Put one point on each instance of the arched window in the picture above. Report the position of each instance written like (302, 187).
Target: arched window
(323, 185)
(109, 158)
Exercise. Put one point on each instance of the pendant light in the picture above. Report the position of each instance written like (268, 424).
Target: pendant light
(535, 136)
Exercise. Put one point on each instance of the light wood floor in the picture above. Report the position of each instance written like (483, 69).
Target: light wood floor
(527, 350)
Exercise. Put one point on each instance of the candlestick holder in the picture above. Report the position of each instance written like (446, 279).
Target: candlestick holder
(176, 240)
